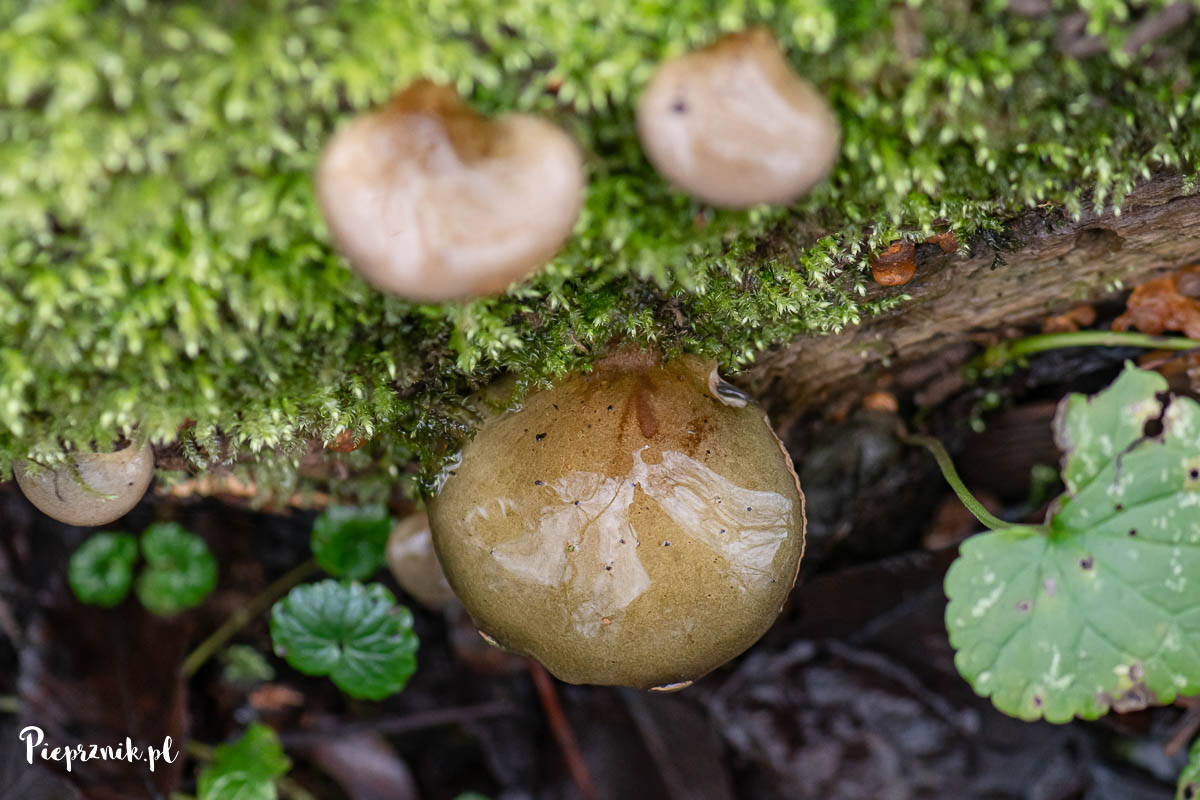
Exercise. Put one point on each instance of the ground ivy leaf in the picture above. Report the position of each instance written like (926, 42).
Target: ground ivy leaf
(180, 571)
(101, 569)
(1102, 610)
(355, 634)
(245, 769)
(1092, 431)
(350, 541)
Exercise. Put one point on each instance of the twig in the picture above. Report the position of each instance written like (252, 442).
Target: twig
(660, 751)
(562, 730)
(1183, 730)
(243, 616)
(395, 725)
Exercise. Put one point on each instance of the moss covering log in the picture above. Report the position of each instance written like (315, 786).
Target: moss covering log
(164, 271)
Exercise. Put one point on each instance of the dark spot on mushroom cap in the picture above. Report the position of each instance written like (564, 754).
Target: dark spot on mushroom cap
(1133, 531)
(1087, 562)
(1038, 702)
(1024, 606)
(1194, 473)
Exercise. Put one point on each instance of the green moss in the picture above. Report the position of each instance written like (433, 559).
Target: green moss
(162, 260)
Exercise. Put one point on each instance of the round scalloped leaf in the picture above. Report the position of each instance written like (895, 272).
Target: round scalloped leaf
(180, 571)
(350, 541)
(355, 634)
(101, 569)
(245, 769)
(1101, 610)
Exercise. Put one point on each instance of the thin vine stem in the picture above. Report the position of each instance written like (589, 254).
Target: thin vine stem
(1003, 352)
(244, 615)
(946, 464)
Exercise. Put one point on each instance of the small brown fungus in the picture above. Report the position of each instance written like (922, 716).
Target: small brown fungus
(1171, 303)
(734, 125)
(896, 265)
(1070, 321)
(543, 570)
(432, 201)
(90, 488)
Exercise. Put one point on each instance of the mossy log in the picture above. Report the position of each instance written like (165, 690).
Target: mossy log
(165, 274)
(1042, 264)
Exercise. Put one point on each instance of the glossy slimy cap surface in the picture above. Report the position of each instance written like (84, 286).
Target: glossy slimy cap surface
(102, 487)
(734, 125)
(638, 526)
(432, 201)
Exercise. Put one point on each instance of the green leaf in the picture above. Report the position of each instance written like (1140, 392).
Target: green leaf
(180, 571)
(245, 769)
(1100, 609)
(243, 664)
(101, 569)
(355, 634)
(350, 541)
(1189, 779)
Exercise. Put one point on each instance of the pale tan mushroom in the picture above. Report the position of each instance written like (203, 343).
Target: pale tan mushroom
(91, 488)
(431, 201)
(414, 564)
(734, 125)
(640, 525)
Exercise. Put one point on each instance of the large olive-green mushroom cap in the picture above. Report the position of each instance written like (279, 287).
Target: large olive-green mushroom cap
(431, 201)
(734, 125)
(640, 525)
(92, 488)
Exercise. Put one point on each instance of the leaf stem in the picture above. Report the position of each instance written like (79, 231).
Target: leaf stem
(244, 615)
(946, 464)
(999, 354)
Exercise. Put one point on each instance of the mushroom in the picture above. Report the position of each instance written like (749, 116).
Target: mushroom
(414, 564)
(734, 125)
(90, 488)
(640, 525)
(431, 201)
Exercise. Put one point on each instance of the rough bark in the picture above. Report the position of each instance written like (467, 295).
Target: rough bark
(1047, 266)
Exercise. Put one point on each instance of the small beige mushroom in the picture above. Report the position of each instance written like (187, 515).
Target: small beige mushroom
(639, 525)
(431, 201)
(92, 488)
(414, 564)
(735, 126)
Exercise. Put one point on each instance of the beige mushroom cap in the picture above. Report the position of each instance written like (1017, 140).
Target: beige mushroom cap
(734, 125)
(431, 201)
(414, 564)
(639, 526)
(102, 487)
